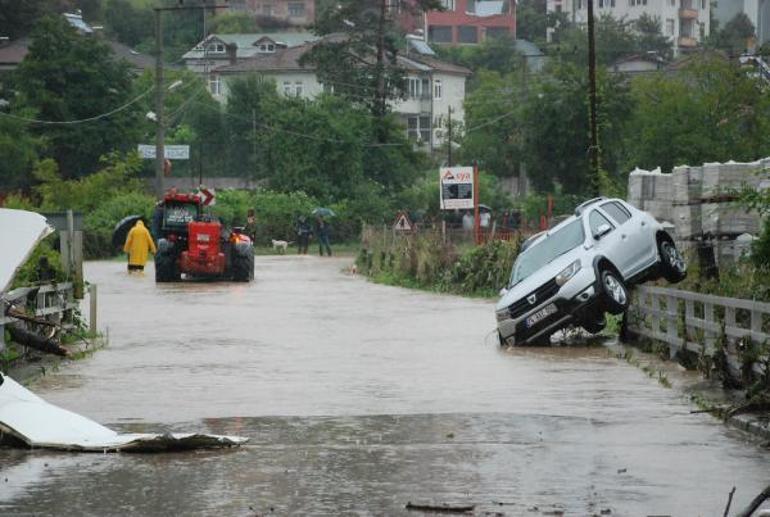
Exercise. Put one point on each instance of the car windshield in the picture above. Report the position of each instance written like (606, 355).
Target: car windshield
(544, 252)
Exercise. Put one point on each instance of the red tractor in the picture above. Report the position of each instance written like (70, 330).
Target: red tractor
(197, 245)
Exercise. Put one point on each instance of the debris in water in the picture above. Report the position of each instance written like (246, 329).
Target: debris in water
(26, 418)
(441, 507)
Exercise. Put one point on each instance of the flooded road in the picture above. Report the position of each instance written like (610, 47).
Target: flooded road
(359, 398)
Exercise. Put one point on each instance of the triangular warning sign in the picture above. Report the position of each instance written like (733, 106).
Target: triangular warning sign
(448, 175)
(403, 224)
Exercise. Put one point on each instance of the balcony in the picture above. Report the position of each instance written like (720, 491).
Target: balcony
(687, 13)
(687, 42)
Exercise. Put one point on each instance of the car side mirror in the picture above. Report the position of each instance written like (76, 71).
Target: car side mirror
(503, 291)
(602, 230)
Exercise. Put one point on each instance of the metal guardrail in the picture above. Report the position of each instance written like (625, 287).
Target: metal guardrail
(699, 323)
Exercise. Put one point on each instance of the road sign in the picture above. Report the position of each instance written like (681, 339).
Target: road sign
(208, 196)
(171, 152)
(403, 224)
(456, 188)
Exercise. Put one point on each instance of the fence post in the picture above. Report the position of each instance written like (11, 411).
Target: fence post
(92, 321)
(672, 308)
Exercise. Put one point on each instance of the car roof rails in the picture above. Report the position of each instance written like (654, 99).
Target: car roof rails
(584, 205)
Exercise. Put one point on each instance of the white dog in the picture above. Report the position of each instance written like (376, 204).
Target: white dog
(281, 246)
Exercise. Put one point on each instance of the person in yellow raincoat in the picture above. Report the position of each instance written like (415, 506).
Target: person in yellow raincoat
(138, 244)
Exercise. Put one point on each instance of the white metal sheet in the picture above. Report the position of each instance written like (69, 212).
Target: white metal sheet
(20, 231)
(39, 424)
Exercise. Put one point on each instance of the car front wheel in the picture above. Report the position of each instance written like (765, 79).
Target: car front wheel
(615, 292)
(672, 264)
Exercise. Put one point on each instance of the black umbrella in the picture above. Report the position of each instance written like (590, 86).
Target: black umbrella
(121, 230)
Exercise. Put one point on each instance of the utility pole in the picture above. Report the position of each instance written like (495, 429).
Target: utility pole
(254, 138)
(160, 129)
(159, 91)
(449, 137)
(380, 101)
(593, 150)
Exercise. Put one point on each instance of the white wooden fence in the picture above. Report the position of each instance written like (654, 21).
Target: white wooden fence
(700, 323)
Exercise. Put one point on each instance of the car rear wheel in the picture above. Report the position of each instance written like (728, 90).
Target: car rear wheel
(672, 264)
(615, 292)
(243, 264)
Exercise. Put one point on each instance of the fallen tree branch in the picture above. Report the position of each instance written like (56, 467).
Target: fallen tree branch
(729, 502)
(440, 508)
(756, 503)
(30, 340)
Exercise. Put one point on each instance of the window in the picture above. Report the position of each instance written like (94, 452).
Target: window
(287, 89)
(449, 5)
(606, 3)
(296, 9)
(467, 34)
(703, 4)
(498, 32)
(267, 9)
(266, 48)
(702, 30)
(216, 48)
(437, 87)
(215, 84)
(579, 4)
(595, 220)
(418, 128)
(298, 88)
(440, 34)
(617, 211)
(418, 88)
(669, 27)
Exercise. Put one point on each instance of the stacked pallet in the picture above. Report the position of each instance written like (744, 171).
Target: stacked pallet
(701, 200)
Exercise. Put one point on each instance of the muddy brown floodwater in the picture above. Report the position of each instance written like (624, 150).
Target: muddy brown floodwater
(358, 398)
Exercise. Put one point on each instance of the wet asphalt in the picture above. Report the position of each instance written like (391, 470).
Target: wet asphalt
(358, 398)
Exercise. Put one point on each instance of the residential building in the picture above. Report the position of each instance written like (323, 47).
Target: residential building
(14, 52)
(758, 11)
(433, 87)
(221, 49)
(469, 22)
(685, 22)
(463, 22)
(297, 13)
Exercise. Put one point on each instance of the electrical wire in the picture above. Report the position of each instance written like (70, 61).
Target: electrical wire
(80, 121)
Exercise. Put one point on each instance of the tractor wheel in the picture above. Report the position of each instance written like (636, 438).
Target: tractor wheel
(165, 269)
(672, 264)
(243, 264)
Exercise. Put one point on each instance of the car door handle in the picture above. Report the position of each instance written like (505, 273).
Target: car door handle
(623, 236)
(644, 223)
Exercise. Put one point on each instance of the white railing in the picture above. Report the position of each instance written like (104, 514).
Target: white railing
(700, 323)
(53, 302)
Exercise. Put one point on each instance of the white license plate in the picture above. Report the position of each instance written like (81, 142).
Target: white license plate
(203, 237)
(541, 314)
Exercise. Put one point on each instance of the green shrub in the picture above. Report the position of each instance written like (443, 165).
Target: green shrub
(29, 273)
(760, 250)
(99, 224)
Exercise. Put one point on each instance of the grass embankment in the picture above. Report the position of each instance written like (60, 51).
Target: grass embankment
(424, 261)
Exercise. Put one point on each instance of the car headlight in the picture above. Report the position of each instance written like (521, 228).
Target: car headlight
(567, 273)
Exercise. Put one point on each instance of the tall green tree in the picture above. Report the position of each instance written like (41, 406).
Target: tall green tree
(533, 20)
(710, 111)
(555, 128)
(68, 77)
(360, 62)
(18, 17)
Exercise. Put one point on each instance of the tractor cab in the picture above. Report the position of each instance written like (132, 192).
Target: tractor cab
(198, 245)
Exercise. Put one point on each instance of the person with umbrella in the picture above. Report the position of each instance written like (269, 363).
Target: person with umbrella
(304, 232)
(322, 229)
(138, 244)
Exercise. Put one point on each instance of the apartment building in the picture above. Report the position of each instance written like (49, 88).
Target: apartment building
(685, 22)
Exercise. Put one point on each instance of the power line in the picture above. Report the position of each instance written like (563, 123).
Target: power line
(80, 121)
